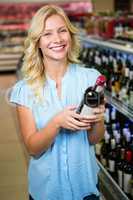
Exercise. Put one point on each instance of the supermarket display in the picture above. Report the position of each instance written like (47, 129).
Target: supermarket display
(115, 152)
(116, 66)
(110, 25)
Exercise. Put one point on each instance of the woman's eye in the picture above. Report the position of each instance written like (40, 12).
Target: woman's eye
(63, 30)
(47, 34)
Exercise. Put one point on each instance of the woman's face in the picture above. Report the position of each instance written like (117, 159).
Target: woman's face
(55, 40)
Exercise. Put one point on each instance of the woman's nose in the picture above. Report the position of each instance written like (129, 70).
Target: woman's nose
(57, 37)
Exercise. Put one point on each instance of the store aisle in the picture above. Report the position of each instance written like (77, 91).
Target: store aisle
(13, 183)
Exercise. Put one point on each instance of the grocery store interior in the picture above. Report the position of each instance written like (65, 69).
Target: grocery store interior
(106, 35)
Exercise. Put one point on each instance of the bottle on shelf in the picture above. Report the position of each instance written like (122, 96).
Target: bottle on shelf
(115, 150)
(127, 172)
(112, 158)
(98, 148)
(117, 68)
(130, 91)
(131, 188)
(104, 151)
(119, 167)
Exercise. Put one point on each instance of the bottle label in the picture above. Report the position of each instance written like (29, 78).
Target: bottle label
(106, 116)
(86, 110)
(104, 161)
(111, 165)
(131, 74)
(98, 149)
(131, 192)
(126, 72)
(113, 114)
(97, 60)
(131, 97)
(127, 186)
(120, 178)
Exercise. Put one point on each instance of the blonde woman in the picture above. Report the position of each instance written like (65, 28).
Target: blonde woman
(60, 141)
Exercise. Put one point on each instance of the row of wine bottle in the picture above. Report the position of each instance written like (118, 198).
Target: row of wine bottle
(116, 66)
(115, 151)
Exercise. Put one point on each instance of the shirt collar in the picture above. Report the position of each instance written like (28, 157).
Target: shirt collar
(52, 82)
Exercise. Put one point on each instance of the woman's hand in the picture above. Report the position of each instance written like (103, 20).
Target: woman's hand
(99, 113)
(97, 132)
(69, 119)
(96, 116)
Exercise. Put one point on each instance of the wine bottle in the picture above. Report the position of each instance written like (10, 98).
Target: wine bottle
(98, 147)
(93, 97)
(130, 91)
(127, 172)
(119, 167)
(112, 159)
(107, 114)
(118, 145)
(105, 150)
(131, 188)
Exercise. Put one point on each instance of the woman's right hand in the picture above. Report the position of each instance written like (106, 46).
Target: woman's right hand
(69, 119)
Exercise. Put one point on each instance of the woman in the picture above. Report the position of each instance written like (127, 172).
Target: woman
(60, 141)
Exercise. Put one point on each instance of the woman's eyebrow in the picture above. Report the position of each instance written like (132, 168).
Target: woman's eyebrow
(57, 28)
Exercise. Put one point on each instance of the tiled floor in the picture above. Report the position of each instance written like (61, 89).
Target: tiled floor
(13, 163)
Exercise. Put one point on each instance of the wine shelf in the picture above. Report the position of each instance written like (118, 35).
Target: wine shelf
(120, 46)
(125, 109)
(9, 58)
(88, 41)
(109, 187)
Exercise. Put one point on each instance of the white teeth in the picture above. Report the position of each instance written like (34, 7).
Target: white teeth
(58, 47)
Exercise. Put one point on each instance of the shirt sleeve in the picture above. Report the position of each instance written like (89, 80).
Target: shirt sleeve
(92, 75)
(21, 94)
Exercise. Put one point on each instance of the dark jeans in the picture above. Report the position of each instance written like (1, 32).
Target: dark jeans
(30, 198)
(90, 197)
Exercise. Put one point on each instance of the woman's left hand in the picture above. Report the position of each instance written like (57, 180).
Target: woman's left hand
(96, 116)
(96, 133)
(99, 113)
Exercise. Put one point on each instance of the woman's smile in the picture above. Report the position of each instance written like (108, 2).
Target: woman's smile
(58, 48)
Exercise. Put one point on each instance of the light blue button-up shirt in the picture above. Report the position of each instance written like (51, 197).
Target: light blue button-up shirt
(68, 169)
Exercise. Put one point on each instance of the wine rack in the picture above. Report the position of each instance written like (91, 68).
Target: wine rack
(127, 48)
(110, 44)
(108, 186)
(127, 110)
(9, 57)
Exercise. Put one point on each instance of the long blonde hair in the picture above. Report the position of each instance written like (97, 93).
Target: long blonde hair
(33, 69)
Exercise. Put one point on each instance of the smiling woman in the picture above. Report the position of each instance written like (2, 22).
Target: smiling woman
(55, 41)
(60, 141)
(48, 23)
